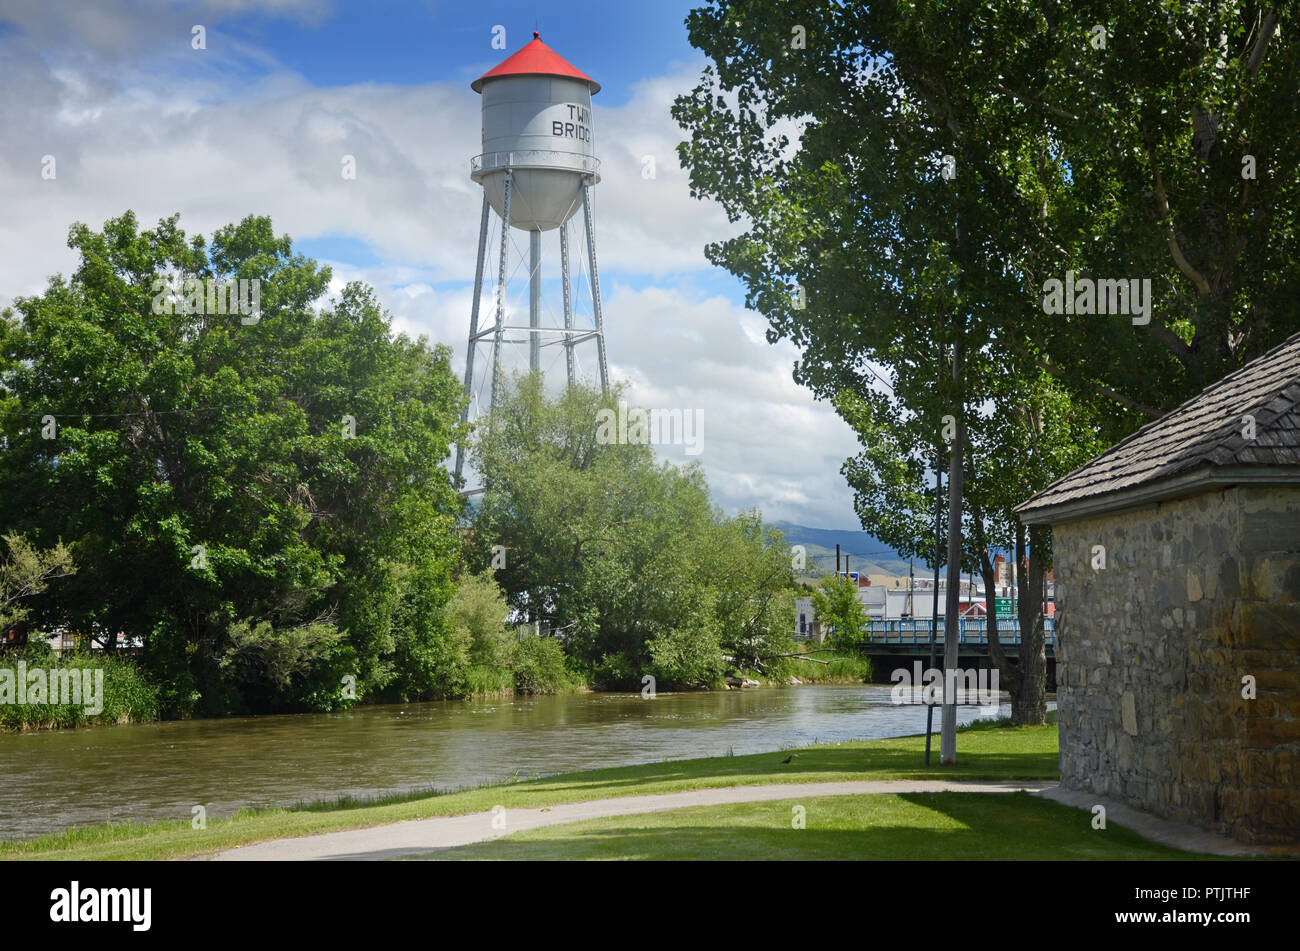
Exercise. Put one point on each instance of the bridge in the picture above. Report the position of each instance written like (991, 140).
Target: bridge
(894, 643)
(904, 636)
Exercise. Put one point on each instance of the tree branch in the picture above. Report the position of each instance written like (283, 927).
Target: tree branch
(1166, 223)
(1051, 110)
(1102, 389)
(1261, 43)
(1174, 343)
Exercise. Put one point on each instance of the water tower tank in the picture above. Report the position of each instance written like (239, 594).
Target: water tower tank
(537, 123)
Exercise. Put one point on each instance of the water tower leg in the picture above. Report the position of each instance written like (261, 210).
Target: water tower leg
(473, 330)
(501, 290)
(568, 299)
(534, 300)
(595, 289)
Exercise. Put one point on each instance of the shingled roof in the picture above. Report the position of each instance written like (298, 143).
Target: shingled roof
(1199, 445)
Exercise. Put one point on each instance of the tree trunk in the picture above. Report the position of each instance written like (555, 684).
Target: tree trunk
(1025, 679)
(1009, 673)
(1029, 703)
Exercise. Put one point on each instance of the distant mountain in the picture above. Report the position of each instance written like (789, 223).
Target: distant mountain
(866, 552)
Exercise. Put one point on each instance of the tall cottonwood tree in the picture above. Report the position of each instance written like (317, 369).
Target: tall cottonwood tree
(897, 260)
(847, 136)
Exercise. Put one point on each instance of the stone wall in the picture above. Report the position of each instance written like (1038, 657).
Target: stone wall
(1196, 593)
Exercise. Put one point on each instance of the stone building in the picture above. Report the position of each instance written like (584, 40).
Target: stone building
(1177, 559)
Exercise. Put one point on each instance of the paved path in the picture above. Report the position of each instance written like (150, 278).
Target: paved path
(1176, 834)
(420, 836)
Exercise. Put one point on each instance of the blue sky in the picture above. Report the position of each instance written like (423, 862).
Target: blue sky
(414, 42)
(259, 121)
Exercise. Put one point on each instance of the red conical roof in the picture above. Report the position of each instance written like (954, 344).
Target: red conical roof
(535, 59)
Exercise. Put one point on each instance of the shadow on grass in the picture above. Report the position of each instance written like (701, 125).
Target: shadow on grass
(911, 827)
(811, 765)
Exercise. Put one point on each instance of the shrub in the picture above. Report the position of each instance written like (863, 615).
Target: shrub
(539, 665)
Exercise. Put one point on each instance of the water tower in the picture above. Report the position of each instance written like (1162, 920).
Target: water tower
(537, 168)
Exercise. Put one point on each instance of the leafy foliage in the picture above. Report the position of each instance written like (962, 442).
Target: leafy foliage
(538, 665)
(912, 175)
(623, 555)
(835, 602)
(209, 470)
(477, 615)
(27, 572)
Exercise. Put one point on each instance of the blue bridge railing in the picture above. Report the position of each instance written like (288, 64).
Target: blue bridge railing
(971, 631)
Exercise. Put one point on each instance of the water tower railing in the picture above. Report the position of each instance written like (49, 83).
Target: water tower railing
(534, 158)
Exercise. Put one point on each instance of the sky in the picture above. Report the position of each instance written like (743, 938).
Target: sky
(258, 120)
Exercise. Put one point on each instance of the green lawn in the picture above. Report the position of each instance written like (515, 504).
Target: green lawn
(982, 753)
(879, 826)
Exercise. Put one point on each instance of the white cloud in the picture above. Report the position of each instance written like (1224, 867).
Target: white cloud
(216, 148)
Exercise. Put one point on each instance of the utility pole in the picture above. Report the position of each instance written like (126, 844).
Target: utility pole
(948, 737)
(837, 560)
(911, 588)
(934, 610)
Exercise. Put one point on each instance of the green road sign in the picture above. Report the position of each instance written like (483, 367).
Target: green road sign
(1004, 607)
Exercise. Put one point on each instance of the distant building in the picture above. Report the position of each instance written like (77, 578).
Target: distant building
(806, 625)
(881, 603)
(64, 641)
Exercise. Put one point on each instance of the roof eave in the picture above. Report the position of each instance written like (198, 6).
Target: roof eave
(477, 85)
(1202, 479)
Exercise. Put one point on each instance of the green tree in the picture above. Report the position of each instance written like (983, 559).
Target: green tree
(24, 574)
(625, 555)
(951, 157)
(746, 566)
(1008, 457)
(1125, 157)
(538, 665)
(835, 602)
(228, 479)
(596, 535)
(477, 615)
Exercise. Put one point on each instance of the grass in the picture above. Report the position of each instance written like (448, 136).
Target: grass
(989, 753)
(489, 681)
(913, 826)
(127, 695)
(840, 668)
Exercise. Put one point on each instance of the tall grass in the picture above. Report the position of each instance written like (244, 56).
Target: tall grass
(841, 667)
(484, 681)
(128, 695)
(850, 667)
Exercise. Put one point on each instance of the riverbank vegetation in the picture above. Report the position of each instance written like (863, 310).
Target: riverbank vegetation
(256, 506)
(990, 753)
(260, 500)
(624, 557)
(109, 690)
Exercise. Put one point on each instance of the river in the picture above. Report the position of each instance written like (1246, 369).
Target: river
(156, 771)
